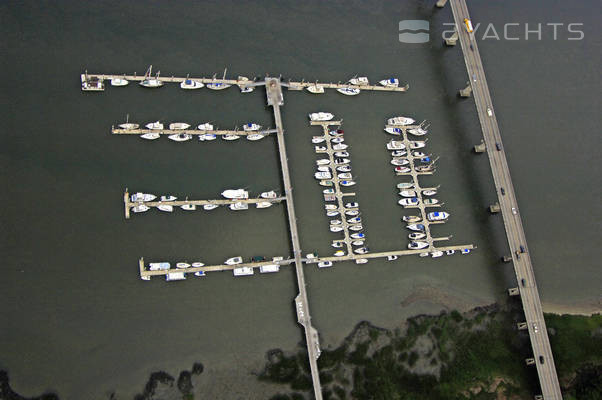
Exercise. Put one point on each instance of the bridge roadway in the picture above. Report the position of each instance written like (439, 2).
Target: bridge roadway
(514, 230)
(275, 99)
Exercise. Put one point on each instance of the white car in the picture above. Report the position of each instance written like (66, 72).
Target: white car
(489, 112)
(535, 329)
(514, 211)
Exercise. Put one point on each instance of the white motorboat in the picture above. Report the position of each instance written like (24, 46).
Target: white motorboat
(337, 140)
(251, 127)
(417, 235)
(349, 91)
(268, 195)
(356, 228)
(418, 154)
(317, 139)
(205, 127)
(140, 208)
(255, 136)
(199, 273)
(411, 218)
(344, 168)
(449, 252)
(361, 260)
(332, 213)
(336, 132)
(325, 183)
(119, 82)
(359, 81)
(322, 175)
(159, 266)
(190, 84)
(230, 136)
(180, 137)
(339, 253)
(168, 198)
(358, 235)
(188, 207)
(465, 251)
(403, 169)
(323, 168)
(165, 207)
(436, 254)
(392, 258)
(325, 264)
(395, 145)
(330, 207)
(209, 207)
(417, 245)
(320, 149)
(424, 254)
(233, 261)
(342, 161)
(179, 125)
(341, 154)
(352, 213)
(263, 204)
(336, 228)
(243, 87)
(358, 242)
(238, 206)
(393, 130)
(412, 201)
(407, 193)
(321, 116)
(243, 271)
(361, 250)
(437, 216)
(336, 222)
(151, 82)
(400, 121)
(264, 269)
(328, 191)
(424, 168)
(430, 201)
(337, 244)
(344, 175)
(151, 136)
(417, 144)
(182, 265)
(400, 161)
(142, 197)
(416, 227)
(323, 161)
(207, 137)
(154, 125)
(390, 82)
(235, 194)
(339, 146)
(354, 220)
(347, 183)
(405, 185)
(352, 205)
(316, 89)
(430, 192)
(418, 131)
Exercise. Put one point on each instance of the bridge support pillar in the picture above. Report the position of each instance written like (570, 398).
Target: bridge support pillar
(480, 148)
(494, 208)
(521, 326)
(513, 291)
(441, 3)
(530, 361)
(451, 41)
(466, 91)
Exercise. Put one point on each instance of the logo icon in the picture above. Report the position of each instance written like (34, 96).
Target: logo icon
(413, 31)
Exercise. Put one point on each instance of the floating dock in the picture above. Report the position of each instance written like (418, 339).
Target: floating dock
(194, 132)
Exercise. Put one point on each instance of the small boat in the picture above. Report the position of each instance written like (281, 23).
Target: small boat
(182, 265)
(322, 175)
(255, 136)
(352, 213)
(168, 198)
(251, 127)
(205, 127)
(154, 125)
(323, 168)
(347, 183)
(269, 267)
(395, 145)
(207, 137)
(417, 245)
(358, 242)
(361, 250)
(356, 228)
(417, 235)
(431, 201)
(393, 131)
(342, 161)
(424, 254)
(424, 168)
(336, 228)
(320, 149)
(159, 266)
(339, 253)
(243, 271)
(209, 207)
(400, 161)
(321, 116)
(358, 235)
(341, 154)
(165, 207)
(188, 207)
(339, 146)
(230, 136)
(344, 175)
(449, 252)
(263, 204)
(151, 82)
(436, 254)
(437, 216)
(403, 169)
(417, 144)
(332, 213)
(179, 125)
(328, 191)
(92, 83)
(416, 227)
(337, 140)
(400, 121)
(429, 192)
(390, 82)
(407, 193)
(344, 168)
(392, 258)
(418, 154)
(418, 131)
(408, 202)
(199, 273)
(336, 132)
(465, 251)
(337, 244)
(142, 197)
(190, 84)
(140, 208)
(336, 222)
(398, 153)
(361, 260)
(330, 207)
(405, 185)
(268, 195)
(128, 124)
(323, 161)
(218, 85)
(325, 264)
(233, 261)
(235, 194)
(243, 87)
(349, 91)
(317, 139)
(411, 218)
(352, 205)
(239, 206)
(326, 183)
(316, 89)
(354, 220)
(150, 136)
(119, 82)
(359, 81)
(180, 137)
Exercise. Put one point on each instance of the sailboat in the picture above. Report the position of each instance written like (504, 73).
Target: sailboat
(189, 84)
(151, 82)
(128, 124)
(219, 85)
(315, 88)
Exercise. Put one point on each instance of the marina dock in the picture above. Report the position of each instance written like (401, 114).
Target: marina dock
(119, 131)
